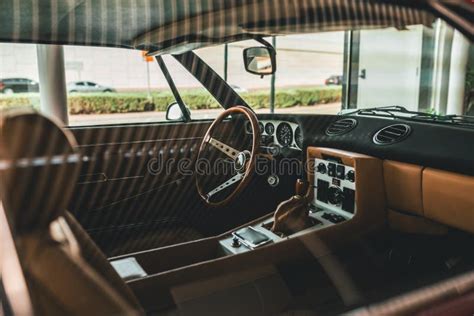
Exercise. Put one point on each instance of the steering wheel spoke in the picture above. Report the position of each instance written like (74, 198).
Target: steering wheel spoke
(226, 149)
(226, 184)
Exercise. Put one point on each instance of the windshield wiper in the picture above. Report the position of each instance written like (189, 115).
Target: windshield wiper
(391, 111)
(400, 112)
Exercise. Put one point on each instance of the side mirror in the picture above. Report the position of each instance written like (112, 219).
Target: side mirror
(174, 113)
(260, 60)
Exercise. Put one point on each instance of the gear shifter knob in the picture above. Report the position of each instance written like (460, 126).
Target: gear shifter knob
(301, 187)
(292, 215)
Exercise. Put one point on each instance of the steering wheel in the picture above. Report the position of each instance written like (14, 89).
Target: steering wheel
(243, 160)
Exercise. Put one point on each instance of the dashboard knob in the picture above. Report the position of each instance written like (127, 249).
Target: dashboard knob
(335, 195)
(321, 168)
(273, 180)
(236, 242)
(350, 176)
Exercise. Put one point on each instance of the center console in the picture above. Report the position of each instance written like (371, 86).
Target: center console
(332, 191)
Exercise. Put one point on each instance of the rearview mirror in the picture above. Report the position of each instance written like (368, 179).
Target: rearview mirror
(174, 113)
(260, 60)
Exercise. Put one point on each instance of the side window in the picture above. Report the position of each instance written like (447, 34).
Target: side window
(123, 87)
(18, 76)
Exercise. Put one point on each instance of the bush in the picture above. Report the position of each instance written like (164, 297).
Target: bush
(286, 98)
(115, 103)
(196, 100)
(20, 100)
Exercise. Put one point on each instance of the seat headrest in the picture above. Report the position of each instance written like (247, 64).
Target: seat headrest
(39, 165)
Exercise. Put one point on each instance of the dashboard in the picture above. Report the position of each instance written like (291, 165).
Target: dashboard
(283, 133)
(442, 146)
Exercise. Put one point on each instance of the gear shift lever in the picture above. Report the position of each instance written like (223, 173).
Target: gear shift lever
(301, 187)
(292, 215)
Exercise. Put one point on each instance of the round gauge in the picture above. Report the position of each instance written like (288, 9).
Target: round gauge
(248, 128)
(260, 125)
(299, 137)
(284, 134)
(270, 129)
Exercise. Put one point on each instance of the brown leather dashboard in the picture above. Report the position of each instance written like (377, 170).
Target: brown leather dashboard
(448, 198)
(440, 196)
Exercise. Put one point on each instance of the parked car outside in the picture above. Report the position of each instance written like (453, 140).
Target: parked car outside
(18, 85)
(334, 80)
(87, 86)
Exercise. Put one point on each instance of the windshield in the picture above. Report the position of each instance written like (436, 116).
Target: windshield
(421, 69)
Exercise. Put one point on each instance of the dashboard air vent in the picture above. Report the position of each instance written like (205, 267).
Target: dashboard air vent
(341, 127)
(392, 134)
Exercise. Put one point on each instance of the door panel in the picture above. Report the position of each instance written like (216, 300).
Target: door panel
(129, 182)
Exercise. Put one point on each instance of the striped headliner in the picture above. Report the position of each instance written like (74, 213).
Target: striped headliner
(172, 26)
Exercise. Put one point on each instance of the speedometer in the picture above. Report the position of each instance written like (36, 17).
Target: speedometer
(284, 134)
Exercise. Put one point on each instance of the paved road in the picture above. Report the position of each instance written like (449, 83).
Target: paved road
(140, 117)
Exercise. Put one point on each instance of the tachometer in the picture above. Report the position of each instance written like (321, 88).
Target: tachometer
(284, 134)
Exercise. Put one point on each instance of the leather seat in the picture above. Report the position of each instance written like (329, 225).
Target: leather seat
(66, 273)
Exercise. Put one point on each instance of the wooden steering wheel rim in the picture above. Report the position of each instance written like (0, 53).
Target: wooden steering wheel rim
(252, 118)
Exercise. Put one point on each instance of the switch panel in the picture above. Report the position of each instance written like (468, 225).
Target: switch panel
(335, 189)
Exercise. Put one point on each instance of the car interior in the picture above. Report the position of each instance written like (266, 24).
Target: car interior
(368, 212)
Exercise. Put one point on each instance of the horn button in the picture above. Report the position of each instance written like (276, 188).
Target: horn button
(241, 160)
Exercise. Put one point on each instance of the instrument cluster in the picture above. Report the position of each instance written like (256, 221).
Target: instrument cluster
(285, 134)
